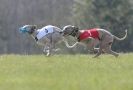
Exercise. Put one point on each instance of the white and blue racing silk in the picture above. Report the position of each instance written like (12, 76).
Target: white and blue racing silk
(44, 31)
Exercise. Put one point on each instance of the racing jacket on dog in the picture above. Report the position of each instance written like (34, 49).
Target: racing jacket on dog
(44, 31)
(89, 33)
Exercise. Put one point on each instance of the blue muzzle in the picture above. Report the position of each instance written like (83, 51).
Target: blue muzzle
(23, 29)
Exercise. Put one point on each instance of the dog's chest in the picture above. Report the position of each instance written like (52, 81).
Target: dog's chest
(89, 33)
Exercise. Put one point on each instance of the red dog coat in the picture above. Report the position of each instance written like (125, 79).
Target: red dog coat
(89, 33)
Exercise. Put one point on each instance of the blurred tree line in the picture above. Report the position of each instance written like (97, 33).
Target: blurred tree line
(16, 13)
(113, 15)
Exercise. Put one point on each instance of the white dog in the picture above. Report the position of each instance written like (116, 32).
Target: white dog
(47, 36)
(93, 37)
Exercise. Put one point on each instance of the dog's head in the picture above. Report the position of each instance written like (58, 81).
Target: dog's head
(70, 30)
(28, 29)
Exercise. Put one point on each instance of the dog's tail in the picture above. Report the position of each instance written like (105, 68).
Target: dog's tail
(117, 38)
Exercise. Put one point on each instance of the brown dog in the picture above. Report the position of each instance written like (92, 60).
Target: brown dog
(93, 37)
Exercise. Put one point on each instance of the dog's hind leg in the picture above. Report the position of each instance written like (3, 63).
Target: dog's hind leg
(109, 51)
(46, 51)
(113, 53)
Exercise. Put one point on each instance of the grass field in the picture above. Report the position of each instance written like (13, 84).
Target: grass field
(66, 72)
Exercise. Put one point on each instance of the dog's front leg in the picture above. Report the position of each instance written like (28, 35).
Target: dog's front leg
(53, 48)
(99, 51)
(98, 54)
(46, 50)
(95, 50)
(91, 43)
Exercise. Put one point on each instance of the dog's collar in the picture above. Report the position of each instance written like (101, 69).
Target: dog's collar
(36, 39)
(34, 36)
(78, 39)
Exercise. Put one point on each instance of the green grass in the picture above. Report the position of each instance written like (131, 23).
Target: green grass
(66, 72)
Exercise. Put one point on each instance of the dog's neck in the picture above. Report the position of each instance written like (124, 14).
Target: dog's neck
(34, 34)
(77, 35)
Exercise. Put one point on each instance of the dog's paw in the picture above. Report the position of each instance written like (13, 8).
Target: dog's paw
(46, 52)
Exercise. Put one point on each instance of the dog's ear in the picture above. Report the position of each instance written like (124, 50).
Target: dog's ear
(34, 27)
(76, 28)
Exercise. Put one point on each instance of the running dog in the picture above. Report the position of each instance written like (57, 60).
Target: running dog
(47, 36)
(92, 38)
